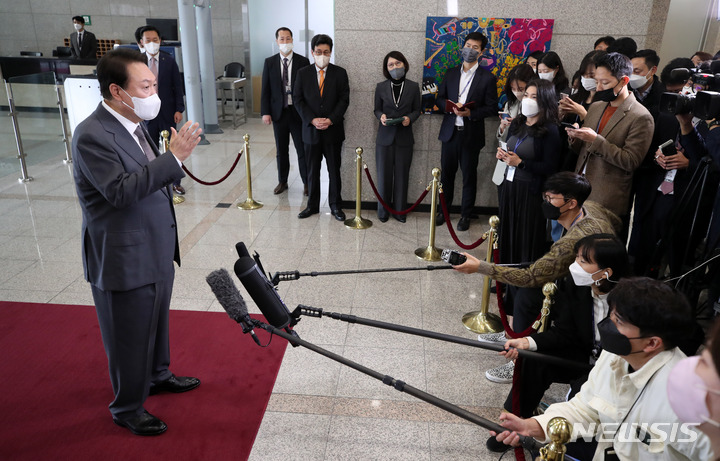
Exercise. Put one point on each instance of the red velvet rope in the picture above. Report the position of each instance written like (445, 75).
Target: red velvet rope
(214, 183)
(503, 316)
(385, 205)
(452, 231)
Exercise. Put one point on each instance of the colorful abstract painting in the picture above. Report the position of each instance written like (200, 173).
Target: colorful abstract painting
(510, 41)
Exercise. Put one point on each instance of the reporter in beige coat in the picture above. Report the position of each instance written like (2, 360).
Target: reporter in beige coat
(615, 136)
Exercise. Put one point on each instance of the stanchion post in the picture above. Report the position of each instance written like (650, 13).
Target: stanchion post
(249, 203)
(18, 140)
(430, 253)
(164, 147)
(63, 122)
(358, 222)
(548, 290)
(483, 321)
(559, 431)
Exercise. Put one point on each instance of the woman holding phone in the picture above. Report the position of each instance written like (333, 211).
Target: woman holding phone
(517, 79)
(533, 153)
(397, 106)
(574, 108)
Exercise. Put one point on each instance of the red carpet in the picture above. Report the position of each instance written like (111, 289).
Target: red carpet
(55, 388)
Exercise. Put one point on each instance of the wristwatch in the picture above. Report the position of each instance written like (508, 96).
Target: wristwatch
(714, 123)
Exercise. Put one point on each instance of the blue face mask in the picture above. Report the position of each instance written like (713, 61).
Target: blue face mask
(397, 73)
(469, 55)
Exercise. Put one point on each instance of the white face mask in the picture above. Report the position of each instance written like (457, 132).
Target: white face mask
(322, 61)
(638, 81)
(529, 107)
(590, 84)
(546, 75)
(285, 48)
(518, 95)
(77, 26)
(145, 108)
(152, 48)
(580, 277)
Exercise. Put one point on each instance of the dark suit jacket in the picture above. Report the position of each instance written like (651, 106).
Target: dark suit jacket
(409, 105)
(333, 103)
(616, 152)
(272, 94)
(129, 232)
(170, 91)
(89, 45)
(483, 91)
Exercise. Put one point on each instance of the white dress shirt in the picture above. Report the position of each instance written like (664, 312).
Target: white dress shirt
(466, 78)
(289, 57)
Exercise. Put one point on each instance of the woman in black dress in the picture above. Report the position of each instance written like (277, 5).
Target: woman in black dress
(397, 106)
(533, 153)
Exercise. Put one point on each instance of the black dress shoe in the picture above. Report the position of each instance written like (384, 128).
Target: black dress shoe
(180, 190)
(339, 214)
(175, 384)
(383, 218)
(144, 424)
(280, 188)
(463, 224)
(306, 213)
(439, 219)
(399, 217)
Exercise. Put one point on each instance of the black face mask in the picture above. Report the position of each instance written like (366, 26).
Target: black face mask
(612, 340)
(607, 95)
(550, 211)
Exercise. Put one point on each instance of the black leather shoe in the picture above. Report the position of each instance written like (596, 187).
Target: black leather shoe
(280, 188)
(383, 218)
(175, 384)
(180, 190)
(339, 214)
(439, 219)
(463, 224)
(144, 424)
(306, 213)
(399, 217)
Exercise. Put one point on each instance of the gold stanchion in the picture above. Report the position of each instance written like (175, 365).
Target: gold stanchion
(559, 430)
(548, 290)
(164, 147)
(482, 321)
(249, 203)
(358, 222)
(430, 253)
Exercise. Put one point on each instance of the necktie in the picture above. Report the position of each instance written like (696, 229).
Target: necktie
(80, 40)
(322, 82)
(285, 82)
(153, 67)
(144, 144)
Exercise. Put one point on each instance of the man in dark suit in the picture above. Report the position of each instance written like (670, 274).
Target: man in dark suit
(321, 95)
(463, 129)
(169, 88)
(276, 106)
(83, 44)
(129, 234)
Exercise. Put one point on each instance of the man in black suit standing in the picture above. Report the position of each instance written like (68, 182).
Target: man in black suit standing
(322, 95)
(276, 106)
(169, 88)
(83, 44)
(463, 129)
(129, 234)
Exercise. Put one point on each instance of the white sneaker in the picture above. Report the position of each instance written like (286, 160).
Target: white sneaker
(492, 338)
(502, 374)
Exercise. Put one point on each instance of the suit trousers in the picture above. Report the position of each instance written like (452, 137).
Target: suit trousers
(314, 154)
(456, 152)
(393, 176)
(134, 328)
(288, 124)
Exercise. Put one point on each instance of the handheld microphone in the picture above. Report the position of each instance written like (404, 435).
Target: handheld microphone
(230, 299)
(263, 293)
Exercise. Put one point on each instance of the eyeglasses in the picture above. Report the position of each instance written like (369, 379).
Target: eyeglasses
(549, 199)
(322, 53)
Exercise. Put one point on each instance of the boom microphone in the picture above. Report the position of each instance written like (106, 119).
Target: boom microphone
(230, 299)
(242, 250)
(263, 293)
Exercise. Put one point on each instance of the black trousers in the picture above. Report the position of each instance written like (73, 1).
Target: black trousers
(134, 327)
(314, 154)
(393, 175)
(288, 124)
(457, 152)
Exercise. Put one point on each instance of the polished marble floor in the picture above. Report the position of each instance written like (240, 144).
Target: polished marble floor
(319, 410)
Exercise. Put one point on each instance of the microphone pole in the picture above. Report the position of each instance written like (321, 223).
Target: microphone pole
(532, 355)
(526, 441)
(295, 275)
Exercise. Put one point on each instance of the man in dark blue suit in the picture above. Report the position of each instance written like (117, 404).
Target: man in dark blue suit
(463, 129)
(276, 106)
(322, 94)
(170, 88)
(129, 234)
